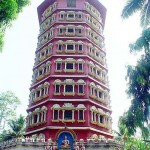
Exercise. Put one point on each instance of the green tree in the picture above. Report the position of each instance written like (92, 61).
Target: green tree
(8, 105)
(138, 76)
(16, 129)
(125, 136)
(9, 10)
(142, 43)
(143, 6)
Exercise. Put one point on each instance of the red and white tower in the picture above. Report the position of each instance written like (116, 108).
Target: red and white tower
(69, 91)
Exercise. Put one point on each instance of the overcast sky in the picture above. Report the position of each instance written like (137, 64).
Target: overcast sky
(17, 59)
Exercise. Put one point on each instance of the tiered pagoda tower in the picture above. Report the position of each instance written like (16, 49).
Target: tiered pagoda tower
(69, 91)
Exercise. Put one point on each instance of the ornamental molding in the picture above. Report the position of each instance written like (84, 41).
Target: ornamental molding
(73, 76)
(68, 105)
(73, 100)
(73, 128)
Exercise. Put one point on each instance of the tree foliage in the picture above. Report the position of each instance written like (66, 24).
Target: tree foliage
(125, 136)
(16, 129)
(142, 43)
(132, 6)
(8, 105)
(138, 89)
(138, 77)
(9, 10)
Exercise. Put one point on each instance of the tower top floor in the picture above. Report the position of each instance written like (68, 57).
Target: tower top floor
(92, 6)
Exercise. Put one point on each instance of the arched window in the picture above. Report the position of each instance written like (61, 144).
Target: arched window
(56, 109)
(69, 65)
(68, 112)
(69, 87)
(57, 84)
(59, 65)
(81, 108)
(80, 65)
(81, 84)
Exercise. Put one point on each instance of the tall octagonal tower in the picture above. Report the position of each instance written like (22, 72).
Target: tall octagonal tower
(69, 90)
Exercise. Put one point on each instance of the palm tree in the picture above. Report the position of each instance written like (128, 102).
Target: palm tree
(142, 43)
(17, 129)
(133, 6)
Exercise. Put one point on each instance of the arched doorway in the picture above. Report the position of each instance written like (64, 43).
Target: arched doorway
(65, 140)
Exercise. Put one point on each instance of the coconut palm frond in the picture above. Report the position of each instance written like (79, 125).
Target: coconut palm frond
(131, 7)
(145, 15)
(142, 42)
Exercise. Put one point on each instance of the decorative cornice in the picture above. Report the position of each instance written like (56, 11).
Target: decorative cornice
(73, 128)
(68, 76)
(72, 100)
(68, 37)
(69, 22)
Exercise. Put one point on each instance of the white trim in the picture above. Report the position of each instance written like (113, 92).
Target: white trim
(67, 37)
(71, 22)
(72, 100)
(73, 76)
(73, 128)
(57, 55)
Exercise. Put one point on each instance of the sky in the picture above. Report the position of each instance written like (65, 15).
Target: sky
(17, 58)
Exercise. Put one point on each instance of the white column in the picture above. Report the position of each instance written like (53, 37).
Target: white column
(98, 118)
(94, 116)
(63, 111)
(103, 95)
(73, 88)
(46, 89)
(32, 119)
(40, 92)
(104, 120)
(58, 115)
(43, 70)
(72, 114)
(64, 87)
(53, 113)
(44, 115)
(35, 94)
(38, 117)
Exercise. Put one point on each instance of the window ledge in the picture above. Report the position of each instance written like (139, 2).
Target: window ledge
(101, 125)
(81, 94)
(81, 121)
(42, 58)
(100, 99)
(80, 71)
(92, 74)
(92, 55)
(92, 96)
(55, 120)
(57, 93)
(58, 51)
(68, 93)
(92, 122)
(49, 54)
(58, 71)
(47, 73)
(70, 34)
(68, 120)
(69, 70)
(40, 77)
(69, 51)
(44, 96)
(37, 99)
(80, 51)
